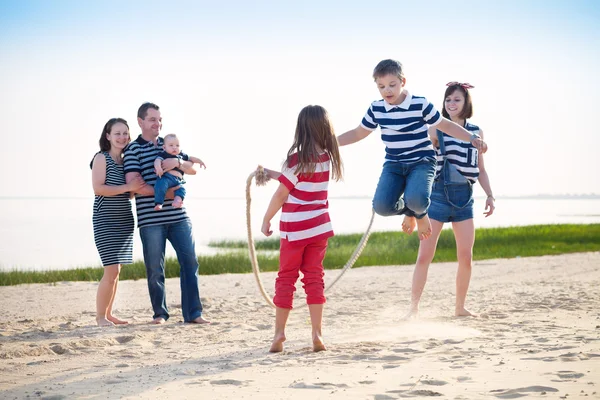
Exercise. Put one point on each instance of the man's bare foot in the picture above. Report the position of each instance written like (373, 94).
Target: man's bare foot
(412, 314)
(409, 224)
(463, 312)
(158, 207)
(318, 344)
(104, 322)
(116, 320)
(199, 320)
(277, 345)
(424, 227)
(177, 202)
(158, 321)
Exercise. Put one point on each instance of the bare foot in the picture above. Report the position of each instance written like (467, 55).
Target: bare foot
(199, 320)
(104, 322)
(177, 202)
(158, 207)
(424, 227)
(116, 320)
(318, 344)
(409, 224)
(277, 345)
(412, 314)
(158, 321)
(463, 312)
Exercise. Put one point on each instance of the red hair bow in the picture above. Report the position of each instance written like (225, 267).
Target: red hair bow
(465, 85)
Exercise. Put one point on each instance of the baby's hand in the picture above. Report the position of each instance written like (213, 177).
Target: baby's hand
(159, 171)
(201, 164)
(266, 228)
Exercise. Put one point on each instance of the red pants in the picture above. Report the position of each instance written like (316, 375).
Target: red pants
(305, 258)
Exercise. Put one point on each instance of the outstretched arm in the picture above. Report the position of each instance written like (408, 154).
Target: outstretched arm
(275, 205)
(198, 161)
(457, 131)
(353, 136)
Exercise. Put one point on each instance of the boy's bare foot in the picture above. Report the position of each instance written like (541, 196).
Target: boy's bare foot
(318, 344)
(158, 321)
(116, 320)
(463, 312)
(412, 314)
(199, 320)
(409, 224)
(424, 227)
(277, 345)
(158, 207)
(177, 202)
(104, 322)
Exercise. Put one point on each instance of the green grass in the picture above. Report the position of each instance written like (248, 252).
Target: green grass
(383, 248)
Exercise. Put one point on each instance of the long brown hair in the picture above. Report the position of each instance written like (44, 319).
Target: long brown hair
(104, 143)
(314, 134)
(467, 111)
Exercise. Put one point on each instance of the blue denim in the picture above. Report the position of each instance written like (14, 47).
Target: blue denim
(154, 239)
(413, 180)
(451, 203)
(165, 182)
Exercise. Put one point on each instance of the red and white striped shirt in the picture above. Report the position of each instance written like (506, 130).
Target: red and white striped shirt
(304, 215)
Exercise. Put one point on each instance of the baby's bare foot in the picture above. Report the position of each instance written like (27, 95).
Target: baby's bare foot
(277, 345)
(409, 224)
(318, 344)
(424, 227)
(177, 202)
(104, 322)
(116, 320)
(158, 207)
(463, 312)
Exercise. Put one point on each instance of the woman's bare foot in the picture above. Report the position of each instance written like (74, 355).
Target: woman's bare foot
(463, 312)
(424, 227)
(277, 345)
(158, 321)
(177, 202)
(199, 320)
(412, 314)
(116, 320)
(158, 207)
(318, 344)
(104, 322)
(409, 224)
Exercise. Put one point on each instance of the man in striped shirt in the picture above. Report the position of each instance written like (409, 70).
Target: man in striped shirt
(156, 227)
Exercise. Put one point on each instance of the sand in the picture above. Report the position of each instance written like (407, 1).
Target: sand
(538, 335)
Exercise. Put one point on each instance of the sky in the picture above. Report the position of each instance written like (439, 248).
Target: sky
(231, 78)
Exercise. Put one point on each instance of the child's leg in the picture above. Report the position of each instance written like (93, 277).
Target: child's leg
(179, 196)
(160, 189)
(314, 286)
(387, 199)
(417, 194)
(290, 258)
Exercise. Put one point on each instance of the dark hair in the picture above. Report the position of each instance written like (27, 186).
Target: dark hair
(467, 111)
(143, 110)
(103, 142)
(314, 133)
(388, 67)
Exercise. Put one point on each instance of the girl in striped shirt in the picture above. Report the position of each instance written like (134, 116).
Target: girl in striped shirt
(305, 226)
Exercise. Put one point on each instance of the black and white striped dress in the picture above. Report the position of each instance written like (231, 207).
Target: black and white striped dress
(113, 220)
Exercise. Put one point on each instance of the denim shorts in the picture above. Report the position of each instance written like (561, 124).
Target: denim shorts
(442, 210)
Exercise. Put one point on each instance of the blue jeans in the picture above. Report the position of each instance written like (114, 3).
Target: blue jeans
(154, 239)
(164, 183)
(412, 180)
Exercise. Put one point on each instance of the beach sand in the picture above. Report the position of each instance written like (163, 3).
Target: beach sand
(538, 335)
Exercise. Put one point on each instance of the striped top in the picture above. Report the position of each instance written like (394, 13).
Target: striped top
(305, 215)
(139, 157)
(463, 155)
(404, 127)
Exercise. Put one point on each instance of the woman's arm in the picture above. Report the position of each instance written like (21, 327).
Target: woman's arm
(353, 136)
(99, 180)
(484, 181)
(275, 205)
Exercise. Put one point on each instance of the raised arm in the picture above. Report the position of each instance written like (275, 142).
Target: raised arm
(457, 131)
(353, 136)
(484, 181)
(99, 180)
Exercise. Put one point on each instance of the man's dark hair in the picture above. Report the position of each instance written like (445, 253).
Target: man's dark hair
(143, 110)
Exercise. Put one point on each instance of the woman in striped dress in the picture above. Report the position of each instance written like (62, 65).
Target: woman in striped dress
(112, 218)
(459, 167)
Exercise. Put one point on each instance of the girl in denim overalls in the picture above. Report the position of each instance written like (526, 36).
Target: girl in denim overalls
(459, 166)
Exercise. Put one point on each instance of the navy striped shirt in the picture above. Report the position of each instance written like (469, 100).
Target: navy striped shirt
(404, 127)
(463, 155)
(139, 157)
